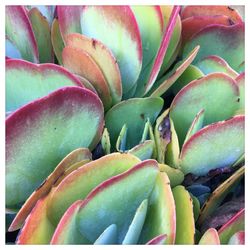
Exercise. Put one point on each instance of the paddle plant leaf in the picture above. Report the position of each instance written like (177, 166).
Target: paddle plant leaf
(210, 237)
(48, 126)
(109, 236)
(237, 239)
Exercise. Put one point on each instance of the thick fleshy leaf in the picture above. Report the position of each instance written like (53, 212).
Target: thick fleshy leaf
(104, 59)
(162, 135)
(66, 231)
(191, 73)
(175, 176)
(158, 240)
(212, 64)
(56, 40)
(219, 194)
(175, 39)
(163, 48)
(161, 216)
(69, 19)
(185, 228)
(79, 183)
(198, 189)
(148, 18)
(37, 228)
(196, 207)
(196, 125)
(194, 24)
(11, 51)
(120, 114)
(109, 236)
(26, 81)
(144, 150)
(210, 237)
(122, 138)
(173, 148)
(167, 81)
(235, 224)
(105, 141)
(117, 28)
(136, 225)
(211, 10)
(78, 155)
(215, 146)
(240, 81)
(224, 41)
(115, 201)
(237, 239)
(39, 135)
(41, 29)
(18, 30)
(211, 93)
(81, 63)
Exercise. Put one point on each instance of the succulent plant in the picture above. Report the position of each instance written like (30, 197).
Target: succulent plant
(125, 124)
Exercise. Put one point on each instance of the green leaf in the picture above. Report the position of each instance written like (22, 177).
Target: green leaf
(210, 237)
(185, 227)
(217, 145)
(136, 225)
(40, 134)
(175, 176)
(109, 236)
(120, 114)
(115, 201)
(143, 150)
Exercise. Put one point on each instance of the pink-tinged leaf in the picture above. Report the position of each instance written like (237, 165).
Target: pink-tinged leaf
(227, 42)
(26, 81)
(237, 239)
(19, 31)
(75, 156)
(81, 63)
(86, 83)
(214, 146)
(161, 215)
(56, 40)
(41, 29)
(235, 224)
(37, 228)
(163, 48)
(194, 24)
(67, 231)
(158, 240)
(69, 19)
(240, 81)
(39, 135)
(80, 182)
(211, 10)
(117, 28)
(210, 237)
(104, 59)
(165, 83)
(115, 201)
(212, 64)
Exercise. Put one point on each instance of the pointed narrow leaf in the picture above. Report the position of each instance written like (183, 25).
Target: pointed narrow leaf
(117, 28)
(18, 30)
(215, 146)
(211, 93)
(136, 225)
(105, 141)
(120, 114)
(56, 40)
(41, 29)
(109, 236)
(115, 201)
(80, 182)
(185, 228)
(40, 134)
(235, 224)
(121, 140)
(81, 63)
(144, 150)
(210, 237)
(163, 48)
(161, 216)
